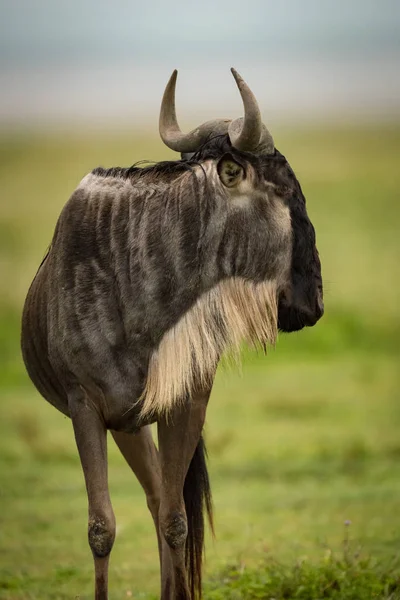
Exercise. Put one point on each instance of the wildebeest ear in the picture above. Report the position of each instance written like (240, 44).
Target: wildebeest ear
(230, 172)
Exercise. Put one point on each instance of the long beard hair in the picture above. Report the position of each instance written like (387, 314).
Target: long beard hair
(234, 312)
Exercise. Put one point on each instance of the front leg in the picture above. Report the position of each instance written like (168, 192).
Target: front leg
(178, 438)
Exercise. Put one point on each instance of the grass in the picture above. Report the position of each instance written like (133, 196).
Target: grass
(331, 578)
(300, 442)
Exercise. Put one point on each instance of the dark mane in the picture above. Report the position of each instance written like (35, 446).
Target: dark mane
(168, 170)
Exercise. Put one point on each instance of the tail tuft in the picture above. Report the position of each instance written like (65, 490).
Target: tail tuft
(197, 496)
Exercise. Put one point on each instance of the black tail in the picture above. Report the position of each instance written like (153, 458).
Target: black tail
(197, 495)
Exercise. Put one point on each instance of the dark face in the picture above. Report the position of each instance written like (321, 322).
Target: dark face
(301, 303)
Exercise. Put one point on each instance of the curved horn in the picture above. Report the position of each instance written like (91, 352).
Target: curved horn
(245, 134)
(249, 133)
(168, 125)
(170, 131)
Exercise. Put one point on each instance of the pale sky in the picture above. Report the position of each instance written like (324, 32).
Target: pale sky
(91, 59)
(53, 29)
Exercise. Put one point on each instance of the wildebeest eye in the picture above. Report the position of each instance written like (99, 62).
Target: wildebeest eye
(230, 171)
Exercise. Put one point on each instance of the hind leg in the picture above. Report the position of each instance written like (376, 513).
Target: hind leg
(91, 439)
(141, 455)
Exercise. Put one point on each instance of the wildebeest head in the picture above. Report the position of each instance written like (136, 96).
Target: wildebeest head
(268, 234)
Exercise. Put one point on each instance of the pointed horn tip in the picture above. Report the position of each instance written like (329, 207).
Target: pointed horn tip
(240, 82)
(172, 79)
(236, 75)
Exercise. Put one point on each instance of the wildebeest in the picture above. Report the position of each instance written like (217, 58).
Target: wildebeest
(152, 274)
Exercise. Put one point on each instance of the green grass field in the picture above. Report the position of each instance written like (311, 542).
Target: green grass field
(300, 442)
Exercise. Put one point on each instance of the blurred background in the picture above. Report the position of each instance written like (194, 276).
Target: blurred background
(300, 441)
